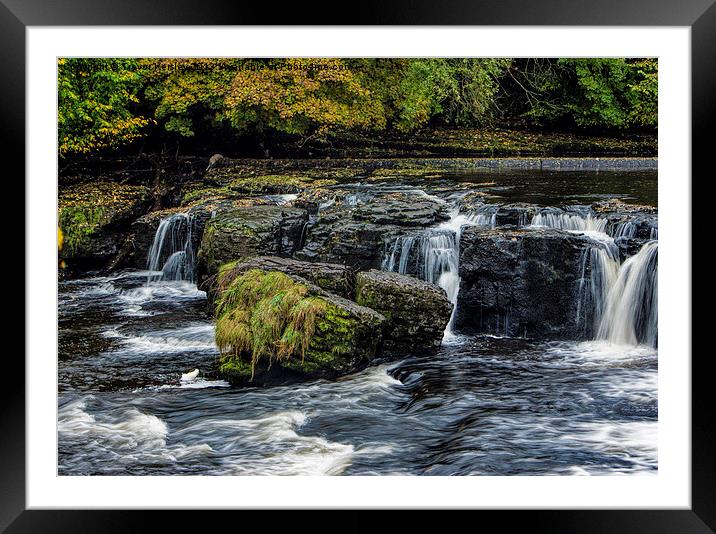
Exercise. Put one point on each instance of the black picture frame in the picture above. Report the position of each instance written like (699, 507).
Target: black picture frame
(699, 15)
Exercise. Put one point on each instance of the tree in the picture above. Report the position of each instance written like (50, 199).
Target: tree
(97, 98)
(605, 93)
(189, 92)
(454, 91)
(643, 93)
(303, 96)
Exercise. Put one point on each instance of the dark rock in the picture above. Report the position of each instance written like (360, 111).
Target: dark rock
(335, 238)
(417, 312)
(629, 246)
(520, 282)
(249, 231)
(94, 218)
(215, 161)
(354, 226)
(401, 209)
(638, 226)
(517, 214)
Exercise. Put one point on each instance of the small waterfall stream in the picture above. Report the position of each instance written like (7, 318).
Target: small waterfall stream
(172, 245)
(622, 297)
(571, 222)
(437, 259)
(630, 313)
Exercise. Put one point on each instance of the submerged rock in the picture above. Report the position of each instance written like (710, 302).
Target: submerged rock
(417, 312)
(275, 328)
(249, 231)
(520, 282)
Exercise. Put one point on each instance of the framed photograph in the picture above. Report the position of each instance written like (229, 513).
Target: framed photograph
(411, 263)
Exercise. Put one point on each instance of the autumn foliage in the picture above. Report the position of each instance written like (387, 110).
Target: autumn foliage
(105, 103)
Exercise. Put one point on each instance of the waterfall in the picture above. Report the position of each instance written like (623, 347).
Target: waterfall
(625, 229)
(440, 265)
(436, 259)
(631, 312)
(599, 271)
(620, 299)
(173, 245)
(571, 222)
(399, 254)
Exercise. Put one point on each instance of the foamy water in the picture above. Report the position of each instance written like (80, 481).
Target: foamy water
(481, 406)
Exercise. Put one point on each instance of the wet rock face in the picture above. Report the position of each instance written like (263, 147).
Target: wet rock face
(638, 226)
(519, 283)
(401, 209)
(515, 214)
(249, 231)
(417, 312)
(333, 238)
(353, 231)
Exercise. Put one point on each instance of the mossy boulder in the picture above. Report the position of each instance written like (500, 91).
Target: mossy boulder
(276, 328)
(94, 218)
(331, 277)
(249, 231)
(416, 311)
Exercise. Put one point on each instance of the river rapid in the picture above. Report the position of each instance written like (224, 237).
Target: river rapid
(484, 405)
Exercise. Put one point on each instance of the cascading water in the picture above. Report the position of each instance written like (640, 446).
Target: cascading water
(438, 253)
(599, 271)
(571, 222)
(173, 245)
(625, 229)
(617, 302)
(440, 265)
(630, 314)
(622, 298)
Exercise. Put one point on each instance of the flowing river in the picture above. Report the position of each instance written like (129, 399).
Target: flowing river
(485, 405)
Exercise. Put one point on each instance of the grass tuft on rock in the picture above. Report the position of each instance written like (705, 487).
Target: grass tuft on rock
(264, 315)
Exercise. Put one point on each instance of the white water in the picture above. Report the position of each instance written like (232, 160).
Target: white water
(282, 200)
(438, 253)
(571, 222)
(623, 297)
(172, 243)
(599, 271)
(631, 311)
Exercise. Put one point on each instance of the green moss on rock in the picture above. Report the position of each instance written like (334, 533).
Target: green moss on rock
(91, 214)
(247, 232)
(269, 322)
